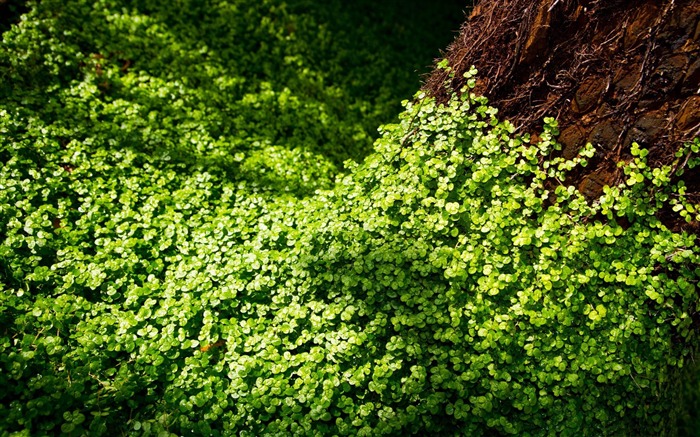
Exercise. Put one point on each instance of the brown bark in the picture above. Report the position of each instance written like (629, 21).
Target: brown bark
(612, 72)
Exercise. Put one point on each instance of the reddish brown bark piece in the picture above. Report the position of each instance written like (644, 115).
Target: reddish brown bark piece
(209, 347)
(612, 72)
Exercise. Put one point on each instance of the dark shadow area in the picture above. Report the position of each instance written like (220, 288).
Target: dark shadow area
(205, 83)
(10, 12)
(375, 52)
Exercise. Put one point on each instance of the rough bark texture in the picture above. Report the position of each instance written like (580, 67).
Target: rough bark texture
(612, 72)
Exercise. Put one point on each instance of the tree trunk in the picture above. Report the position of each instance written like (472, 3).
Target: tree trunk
(612, 72)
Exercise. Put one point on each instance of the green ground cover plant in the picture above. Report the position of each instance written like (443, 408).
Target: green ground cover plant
(200, 235)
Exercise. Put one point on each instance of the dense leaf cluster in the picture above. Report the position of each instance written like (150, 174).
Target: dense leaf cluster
(179, 254)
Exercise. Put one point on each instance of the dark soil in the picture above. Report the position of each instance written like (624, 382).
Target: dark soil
(612, 72)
